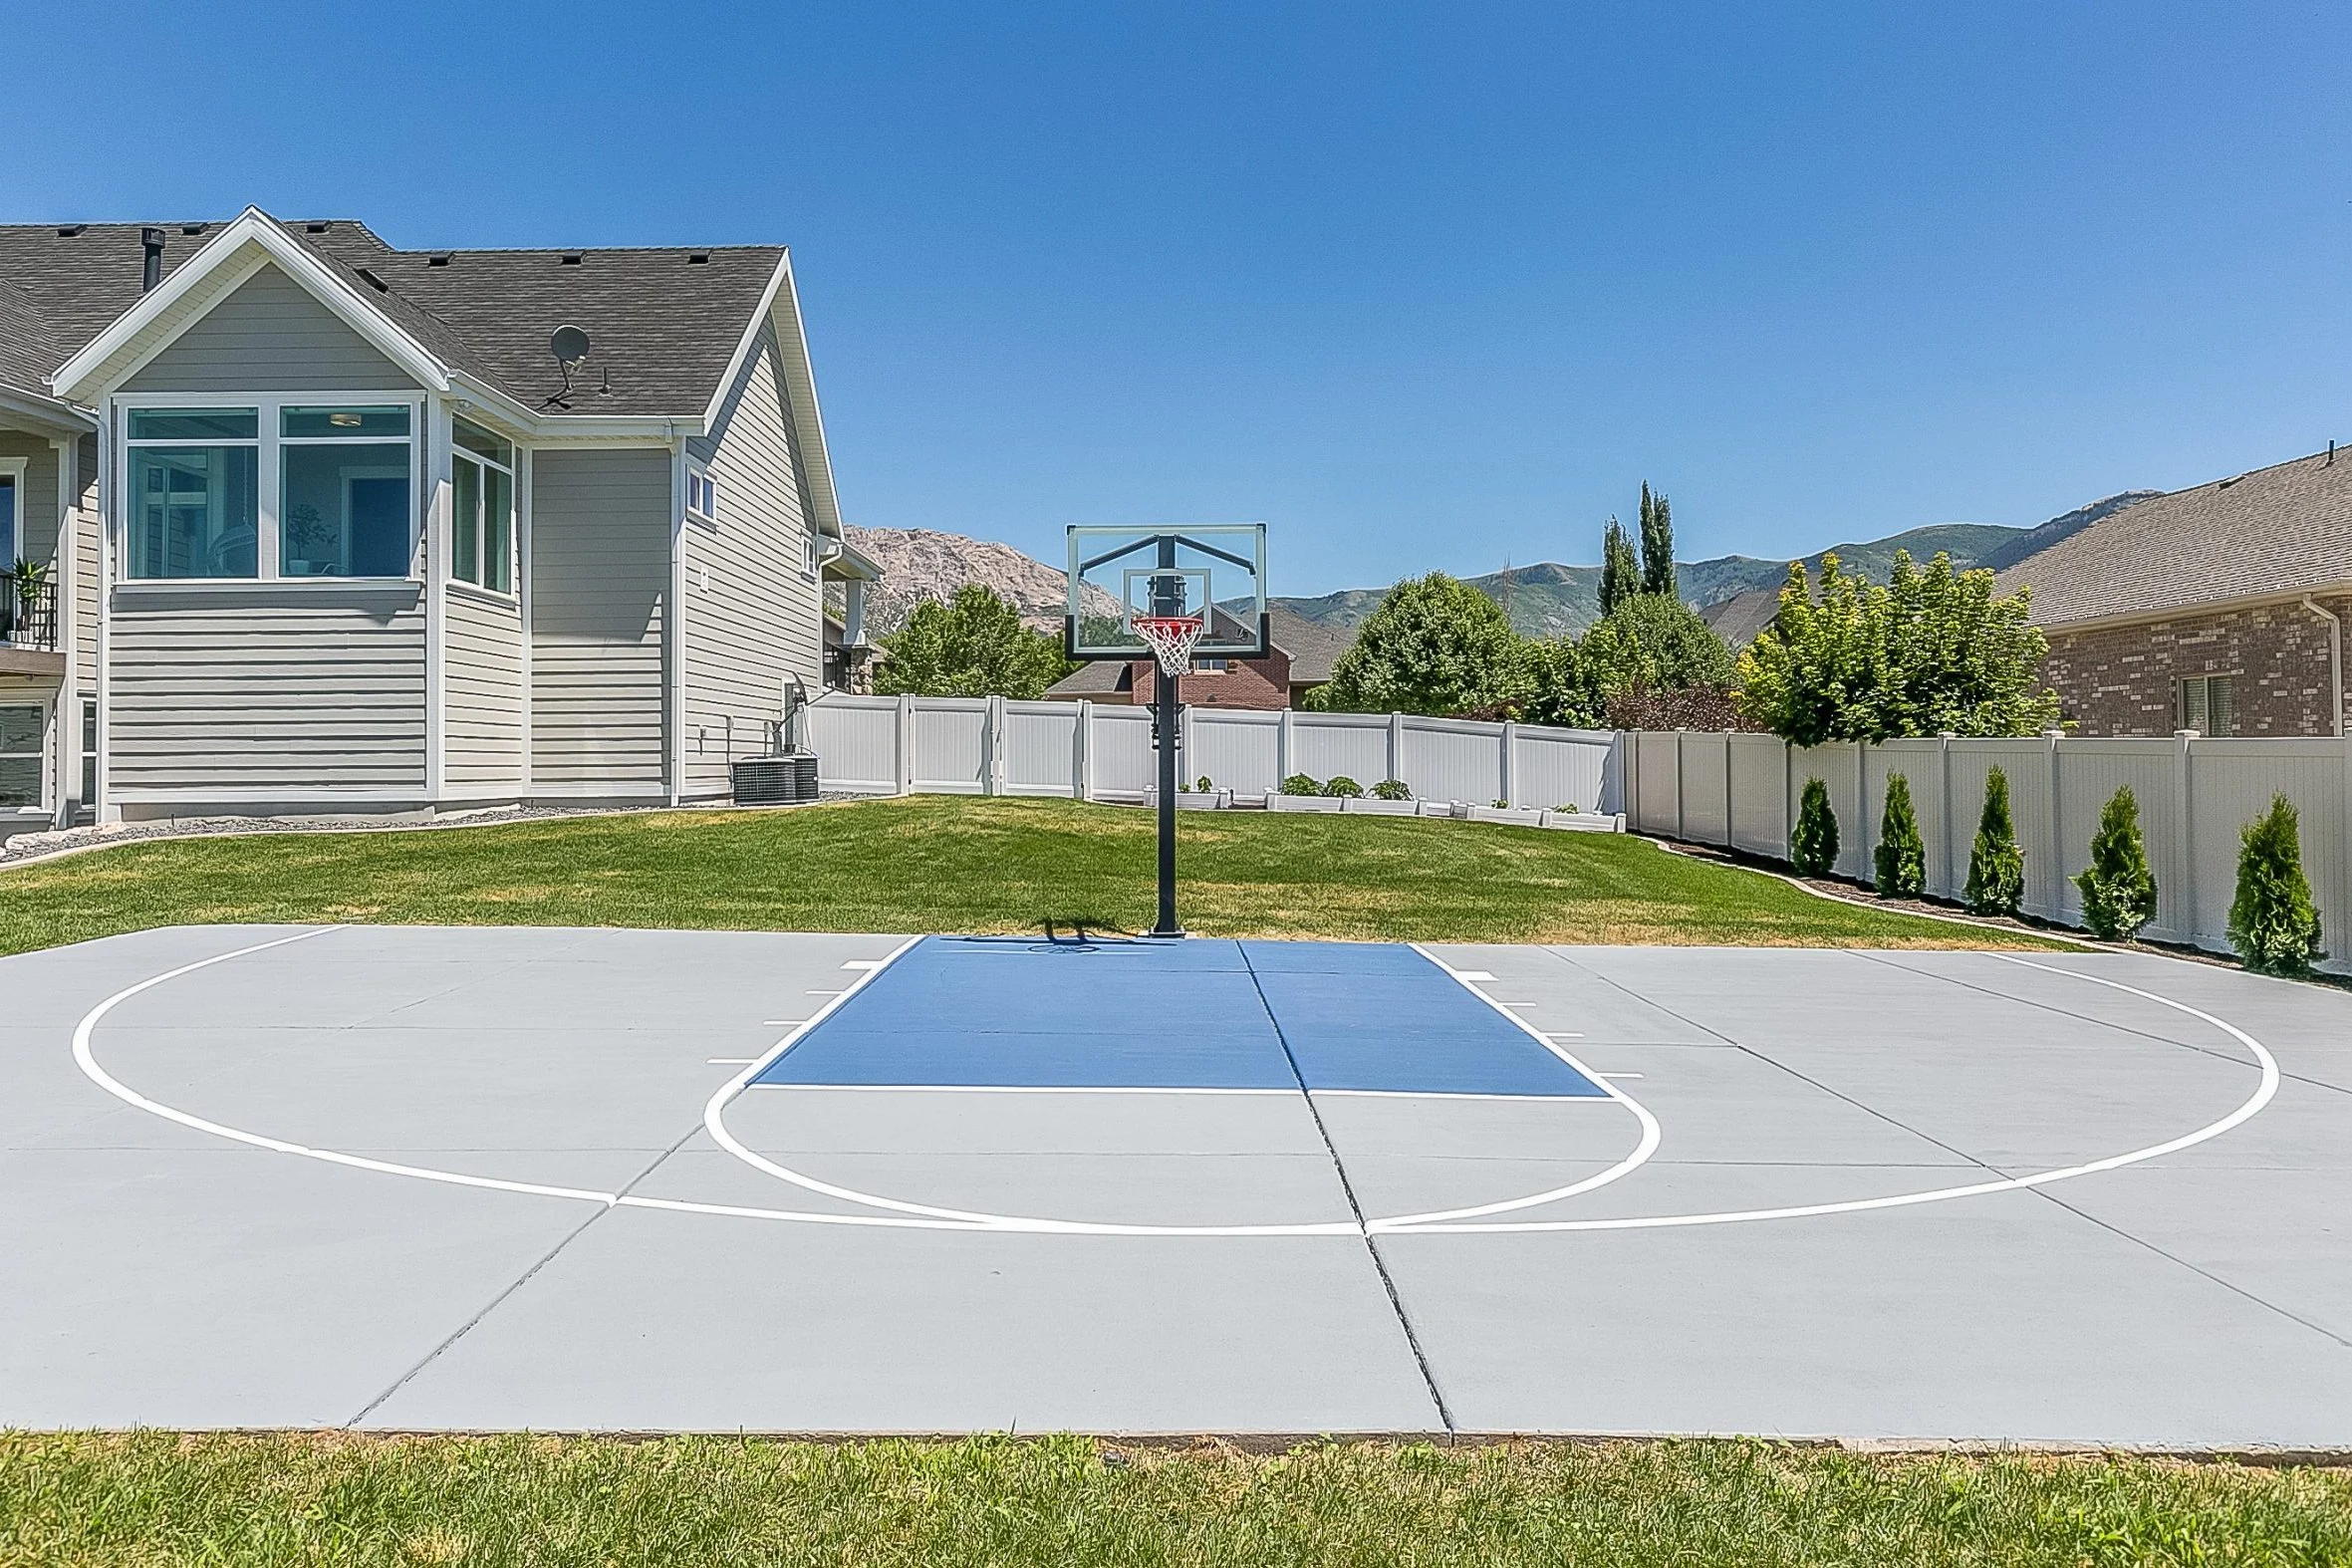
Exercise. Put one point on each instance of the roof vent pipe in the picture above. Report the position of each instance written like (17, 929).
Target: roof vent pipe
(152, 242)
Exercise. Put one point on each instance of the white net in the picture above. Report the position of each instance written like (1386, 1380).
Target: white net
(1170, 639)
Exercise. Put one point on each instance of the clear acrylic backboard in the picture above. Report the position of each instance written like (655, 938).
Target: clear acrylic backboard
(1120, 572)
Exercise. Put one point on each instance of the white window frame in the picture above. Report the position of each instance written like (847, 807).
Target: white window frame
(268, 409)
(700, 484)
(459, 454)
(812, 565)
(14, 470)
(42, 794)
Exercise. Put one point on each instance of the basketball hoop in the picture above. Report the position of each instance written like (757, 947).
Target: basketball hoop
(1170, 639)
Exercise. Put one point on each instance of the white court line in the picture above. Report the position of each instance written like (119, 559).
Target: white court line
(1453, 1094)
(88, 1062)
(1642, 1149)
(2251, 1108)
(1620, 1075)
(781, 1023)
(727, 1061)
(1471, 974)
(84, 1058)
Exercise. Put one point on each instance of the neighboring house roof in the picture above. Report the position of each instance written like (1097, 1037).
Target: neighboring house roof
(2272, 531)
(1097, 679)
(662, 324)
(1738, 618)
(1313, 649)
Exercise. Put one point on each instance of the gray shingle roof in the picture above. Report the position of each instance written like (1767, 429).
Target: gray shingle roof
(1313, 649)
(661, 325)
(2275, 530)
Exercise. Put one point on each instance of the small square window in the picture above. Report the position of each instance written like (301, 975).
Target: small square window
(701, 495)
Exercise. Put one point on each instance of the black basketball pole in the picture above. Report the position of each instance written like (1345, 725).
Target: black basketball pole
(1166, 594)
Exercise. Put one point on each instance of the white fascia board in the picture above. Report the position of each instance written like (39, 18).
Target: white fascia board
(489, 406)
(47, 415)
(801, 399)
(74, 380)
(748, 344)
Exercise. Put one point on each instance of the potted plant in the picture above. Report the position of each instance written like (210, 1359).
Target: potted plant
(28, 577)
(310, 543)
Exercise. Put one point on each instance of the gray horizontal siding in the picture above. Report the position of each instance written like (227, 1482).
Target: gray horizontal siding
(600, 588)
(483, 690)
(268, 335)
(213, 695)
(752, 617)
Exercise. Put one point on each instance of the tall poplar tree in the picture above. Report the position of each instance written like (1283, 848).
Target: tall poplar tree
(1657, 544)
(1621, 570)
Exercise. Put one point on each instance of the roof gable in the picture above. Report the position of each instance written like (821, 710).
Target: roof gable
(267, 333)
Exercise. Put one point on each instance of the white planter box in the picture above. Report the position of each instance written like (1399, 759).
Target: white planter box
(1374, 806)
(1584, 821)
(1194, 800)
(1303, 802)
(1523, 816)
(1443, 808)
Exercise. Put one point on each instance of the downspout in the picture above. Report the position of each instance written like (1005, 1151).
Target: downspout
(2335, 661)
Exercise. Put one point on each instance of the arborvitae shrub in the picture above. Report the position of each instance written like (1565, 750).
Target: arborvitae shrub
(2272, 922)
(1902, 855)
(1301, 784)
(1996, 866)
(1813, 847)
(1343, 786)
(2118, 888)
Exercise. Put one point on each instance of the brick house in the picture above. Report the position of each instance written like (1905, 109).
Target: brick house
(1299, 660)
(2219, 609)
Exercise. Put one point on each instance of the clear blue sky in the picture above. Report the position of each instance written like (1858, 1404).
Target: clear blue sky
(1422, 287)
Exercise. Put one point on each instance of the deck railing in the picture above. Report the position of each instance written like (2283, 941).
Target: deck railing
(29, 619)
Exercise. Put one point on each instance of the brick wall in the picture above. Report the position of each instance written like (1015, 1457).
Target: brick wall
(1255, 683)
(2124, 679)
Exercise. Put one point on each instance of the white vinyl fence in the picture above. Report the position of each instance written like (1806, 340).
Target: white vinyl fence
(2194, 795)
(1079, 750)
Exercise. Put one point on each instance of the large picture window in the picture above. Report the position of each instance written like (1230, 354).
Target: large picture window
(194, 492)
(344, 492)
(279, 489)
(482, 533)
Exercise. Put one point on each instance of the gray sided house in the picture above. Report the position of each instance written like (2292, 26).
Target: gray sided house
(2220, 609)
(312, 524)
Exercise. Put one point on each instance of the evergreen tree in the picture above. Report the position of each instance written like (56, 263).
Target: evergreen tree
(973, 645)
(1902, 856)
(1657, 544)
(1813, 847)
(1435, 646)
(2118, 888)
(1996, 866)
(2272, 922)
(1621, 569)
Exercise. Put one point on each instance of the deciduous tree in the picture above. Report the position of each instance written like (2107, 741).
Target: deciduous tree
(972, 646)
(1435, 646)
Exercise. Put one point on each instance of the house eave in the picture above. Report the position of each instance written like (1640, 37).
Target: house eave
(45, 415)
(2194, 609)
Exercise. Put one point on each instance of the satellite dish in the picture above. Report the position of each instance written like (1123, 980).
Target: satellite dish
(569, 345)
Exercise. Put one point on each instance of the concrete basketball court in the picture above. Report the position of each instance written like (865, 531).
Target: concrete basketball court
(484, 1179)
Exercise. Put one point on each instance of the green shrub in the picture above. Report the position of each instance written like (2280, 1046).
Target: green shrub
(1204, 785)
(1813, 847)
(1392, 789)
(1996, 866)
(1573, 809)
(2272, 922)
(1300, 784)
(2118, 888)
(1902, 856)
(1344, 787)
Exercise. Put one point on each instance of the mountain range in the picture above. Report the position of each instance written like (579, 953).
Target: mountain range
(1736, 592)
(1548, 599)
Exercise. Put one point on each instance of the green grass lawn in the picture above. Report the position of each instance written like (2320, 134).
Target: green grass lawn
(956, 864)
(157, 1498)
